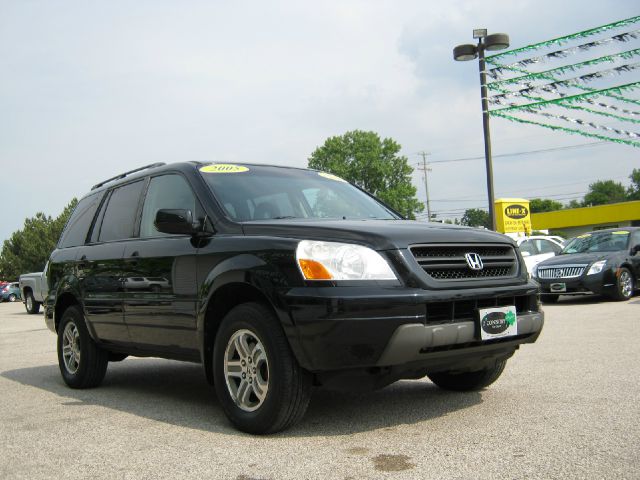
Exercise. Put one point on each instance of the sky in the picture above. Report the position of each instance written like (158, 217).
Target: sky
(91, 89)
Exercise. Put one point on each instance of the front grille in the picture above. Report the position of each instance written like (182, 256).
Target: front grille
(448, 262)
(561, 271)
(465, 310)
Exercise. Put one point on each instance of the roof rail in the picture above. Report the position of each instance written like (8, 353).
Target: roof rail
(122, 175)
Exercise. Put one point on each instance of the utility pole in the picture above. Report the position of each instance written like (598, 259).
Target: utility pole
(426, 169)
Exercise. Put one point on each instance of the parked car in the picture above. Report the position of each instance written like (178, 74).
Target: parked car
(10, 292)
(278, 279)
(537, 248)
(33, 287)
(604, 262)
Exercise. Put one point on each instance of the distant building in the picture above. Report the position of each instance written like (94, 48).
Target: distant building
(575, 221)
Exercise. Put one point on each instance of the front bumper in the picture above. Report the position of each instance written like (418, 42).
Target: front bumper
(603, 283)
(354, 327)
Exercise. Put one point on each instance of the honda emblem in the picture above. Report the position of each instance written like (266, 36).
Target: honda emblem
(474, 261)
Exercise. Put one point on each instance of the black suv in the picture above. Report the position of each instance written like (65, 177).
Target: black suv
(278, 279)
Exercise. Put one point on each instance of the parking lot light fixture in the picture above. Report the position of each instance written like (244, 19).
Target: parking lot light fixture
(465, 52)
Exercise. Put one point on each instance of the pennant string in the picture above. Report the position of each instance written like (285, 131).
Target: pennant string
(498, 71)
(633, 143)
(573, 67)
(560, 40)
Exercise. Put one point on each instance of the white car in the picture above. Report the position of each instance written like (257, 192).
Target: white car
(537, 248)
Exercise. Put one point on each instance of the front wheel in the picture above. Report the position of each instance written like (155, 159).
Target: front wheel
(258, 381)
(30, 304)
(82, 363)
(624, 285)
(12, 297)
(468, 381)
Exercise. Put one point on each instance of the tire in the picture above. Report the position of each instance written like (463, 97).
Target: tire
(549, 298)
(30, 304)
(82, 363)
(280, 390)
(624, 285)
(12, 298)
(469, 381)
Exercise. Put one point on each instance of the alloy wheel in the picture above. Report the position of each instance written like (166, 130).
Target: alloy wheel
(246, 370)
(71, 348)
(626, 284)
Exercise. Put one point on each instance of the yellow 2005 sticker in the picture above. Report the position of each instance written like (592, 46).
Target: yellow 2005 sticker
(223, 168)
(331, 176)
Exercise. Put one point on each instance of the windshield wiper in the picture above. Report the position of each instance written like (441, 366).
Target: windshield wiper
(283, 217)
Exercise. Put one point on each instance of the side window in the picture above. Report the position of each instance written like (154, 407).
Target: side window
(120, 215)
(529, 247)
(75, 233)
(635, 239)
(166, 191)
(545, 246)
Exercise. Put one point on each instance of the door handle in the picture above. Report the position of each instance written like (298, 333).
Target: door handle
(83, 262)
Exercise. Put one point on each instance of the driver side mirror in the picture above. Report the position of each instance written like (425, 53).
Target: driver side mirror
(635, 249)
(174, 221)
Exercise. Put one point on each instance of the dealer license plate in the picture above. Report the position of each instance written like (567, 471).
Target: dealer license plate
(498, 322)
(558, 287)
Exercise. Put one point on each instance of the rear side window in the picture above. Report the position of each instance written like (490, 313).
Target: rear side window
(75, 233)
(120, 216)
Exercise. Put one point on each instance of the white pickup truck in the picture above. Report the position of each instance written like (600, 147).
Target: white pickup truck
(33, 287)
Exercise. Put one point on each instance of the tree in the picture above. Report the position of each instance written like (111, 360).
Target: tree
(28, 250)
(373, 164)
(603, 192)
(476, 217)
(633, 192)
(537, 205)
(574, 204)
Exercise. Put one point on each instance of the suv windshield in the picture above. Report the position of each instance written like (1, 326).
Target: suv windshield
(598, 242)
(255, 192)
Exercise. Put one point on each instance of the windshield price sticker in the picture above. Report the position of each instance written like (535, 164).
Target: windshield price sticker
(224, 168)
(498, 322)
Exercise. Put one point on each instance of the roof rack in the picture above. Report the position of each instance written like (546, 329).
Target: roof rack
(122, 175)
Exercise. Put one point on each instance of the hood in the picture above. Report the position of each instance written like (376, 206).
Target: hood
(377, 234)
(576, 259)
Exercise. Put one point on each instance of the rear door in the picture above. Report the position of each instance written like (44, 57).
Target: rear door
(160, 290)
(100, 264)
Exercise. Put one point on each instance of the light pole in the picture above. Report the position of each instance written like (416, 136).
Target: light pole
(468, 51)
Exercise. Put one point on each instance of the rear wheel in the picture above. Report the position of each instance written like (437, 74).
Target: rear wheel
(12, 297)
(624, 285)
(82, 363)
(468, 381)
(30, 304)
(259, 383)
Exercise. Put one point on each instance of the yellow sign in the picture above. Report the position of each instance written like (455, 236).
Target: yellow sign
(224, 168)
(331, 176)
(513, 215)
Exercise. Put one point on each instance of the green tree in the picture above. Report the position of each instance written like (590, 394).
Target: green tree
(373, 164)
(574, 204)
(633, 192)
(603, 192)
(537, 205)
(28, 249)
(475, 217)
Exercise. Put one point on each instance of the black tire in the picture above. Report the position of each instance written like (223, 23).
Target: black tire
(92, 365)
(288, 385)
(624, 285)
(469, 381)
(549, 298)
(31, 306)
(12, 298)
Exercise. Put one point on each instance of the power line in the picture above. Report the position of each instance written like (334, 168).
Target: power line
(516, 154)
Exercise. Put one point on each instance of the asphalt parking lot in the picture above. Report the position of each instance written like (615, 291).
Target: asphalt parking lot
(566, 407)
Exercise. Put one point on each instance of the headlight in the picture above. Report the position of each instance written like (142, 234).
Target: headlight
(596, 267)
(534, 271)
(341, 261)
